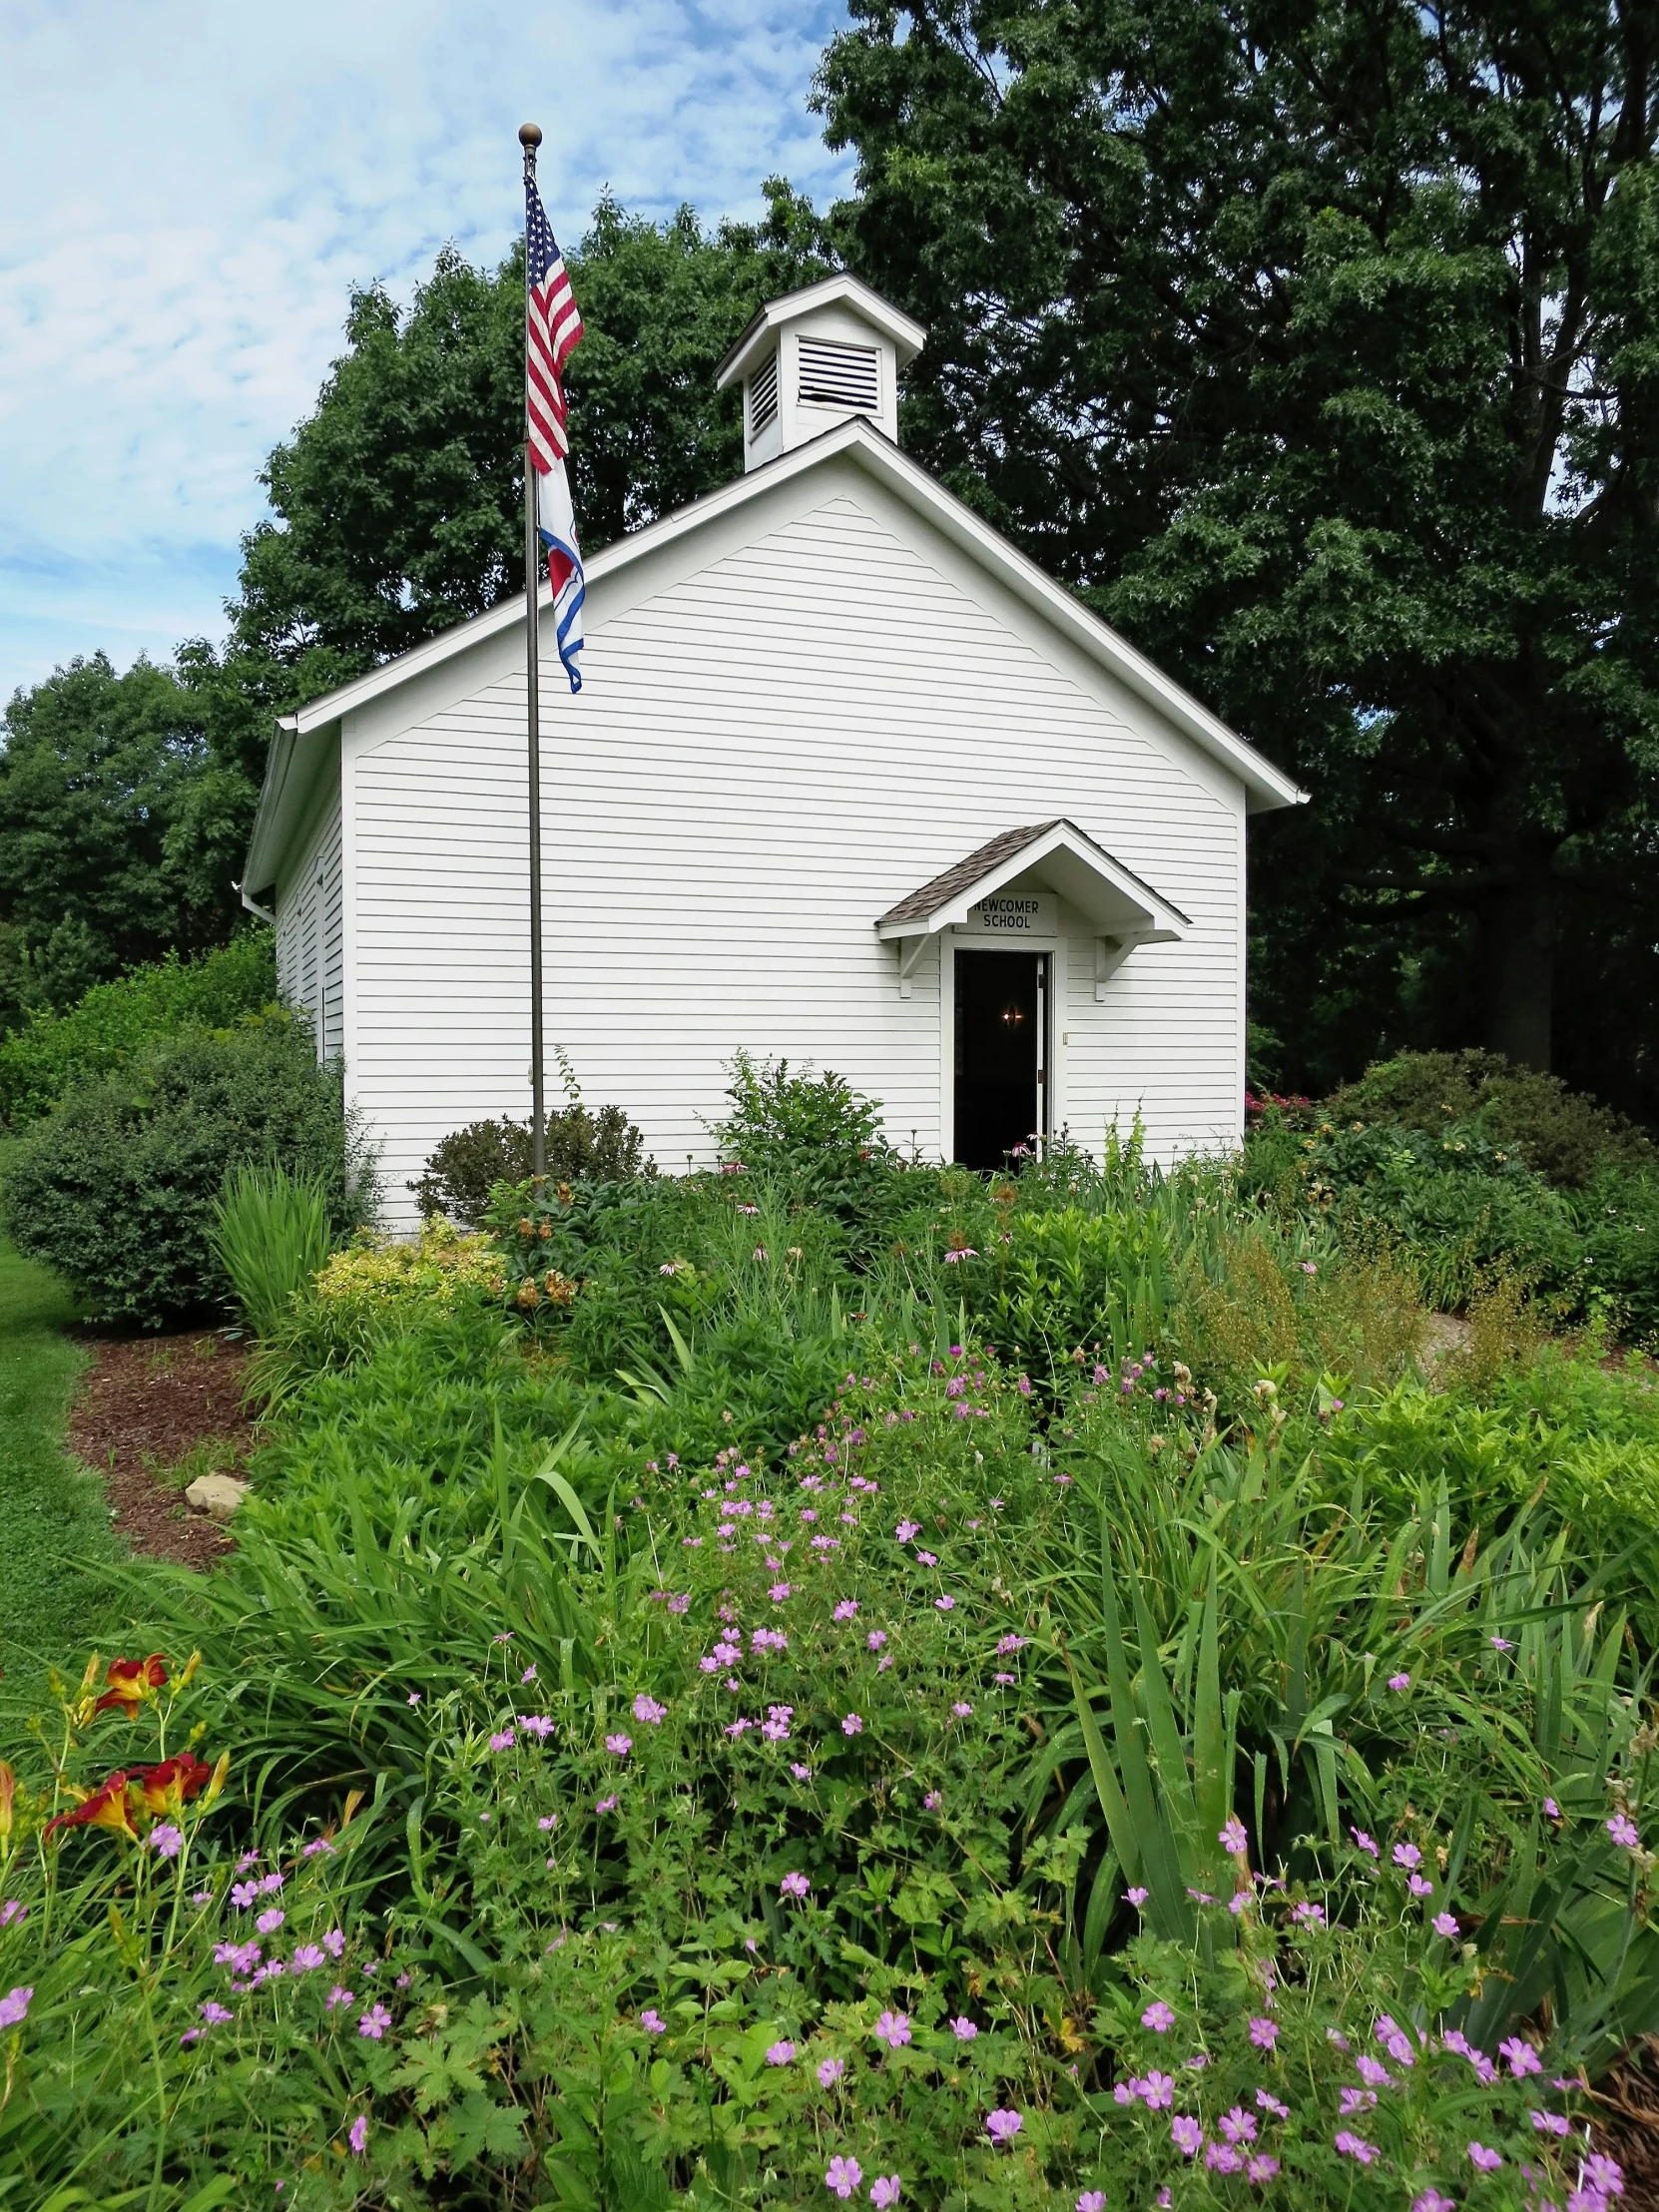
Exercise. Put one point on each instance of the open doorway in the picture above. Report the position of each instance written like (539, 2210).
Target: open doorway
(1001, 1054)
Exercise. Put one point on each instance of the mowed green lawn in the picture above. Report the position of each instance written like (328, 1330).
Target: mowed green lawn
(54, 1523)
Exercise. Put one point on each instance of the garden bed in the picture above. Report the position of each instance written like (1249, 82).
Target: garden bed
(149, 1414)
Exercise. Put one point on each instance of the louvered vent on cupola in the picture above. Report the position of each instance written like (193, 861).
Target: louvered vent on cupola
(762, 396)
(816, 359)
(837, 375)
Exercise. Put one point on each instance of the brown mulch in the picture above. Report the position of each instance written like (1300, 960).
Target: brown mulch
(1627, 2124)
(141, 1405)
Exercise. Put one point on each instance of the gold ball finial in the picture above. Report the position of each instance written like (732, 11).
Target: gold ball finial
(529, 134)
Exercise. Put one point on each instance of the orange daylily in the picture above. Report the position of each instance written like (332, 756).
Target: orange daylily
(170, 1787)
(101, 1807)
(130, 1682)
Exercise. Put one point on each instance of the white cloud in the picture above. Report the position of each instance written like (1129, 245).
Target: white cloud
(188, 192)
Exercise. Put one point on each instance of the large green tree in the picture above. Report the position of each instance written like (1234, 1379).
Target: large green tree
(398, 505)
(1316, 343)
(125, 805)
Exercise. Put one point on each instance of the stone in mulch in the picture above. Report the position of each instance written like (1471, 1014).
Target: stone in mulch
(144, 1403)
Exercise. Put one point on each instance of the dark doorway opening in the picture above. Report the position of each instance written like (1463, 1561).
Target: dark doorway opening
(1000, 1054)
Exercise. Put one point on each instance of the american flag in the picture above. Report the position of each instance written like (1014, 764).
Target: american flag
(552, 327)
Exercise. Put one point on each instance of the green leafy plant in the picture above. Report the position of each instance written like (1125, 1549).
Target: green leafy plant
(1561, 1134)
(115, 1023)
(469, 1165)
(271, 1235)
(118, 1188)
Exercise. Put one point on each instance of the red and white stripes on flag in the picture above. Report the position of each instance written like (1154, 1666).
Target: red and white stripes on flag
(552, 328)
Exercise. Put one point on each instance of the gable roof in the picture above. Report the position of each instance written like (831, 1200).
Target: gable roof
(857, 441)
(1115, 898)
(842, 290)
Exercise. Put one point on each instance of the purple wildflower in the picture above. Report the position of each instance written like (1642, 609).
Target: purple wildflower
(1003, 2126)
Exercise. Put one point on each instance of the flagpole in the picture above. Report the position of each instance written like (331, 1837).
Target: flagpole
(529, 137)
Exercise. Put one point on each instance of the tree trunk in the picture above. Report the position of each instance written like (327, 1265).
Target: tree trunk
(1517, 962)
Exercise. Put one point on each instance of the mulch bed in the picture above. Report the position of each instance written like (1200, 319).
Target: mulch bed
(1627, 2124)
(143, 1404)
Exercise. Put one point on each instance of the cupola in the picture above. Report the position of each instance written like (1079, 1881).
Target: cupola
(815, 357)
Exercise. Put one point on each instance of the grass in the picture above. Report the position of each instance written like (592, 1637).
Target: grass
(52, 1600)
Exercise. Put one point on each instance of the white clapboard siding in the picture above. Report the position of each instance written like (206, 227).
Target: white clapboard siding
(310, 941)
(766, 755)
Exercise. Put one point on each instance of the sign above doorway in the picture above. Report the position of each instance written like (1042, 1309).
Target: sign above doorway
(1011, 918)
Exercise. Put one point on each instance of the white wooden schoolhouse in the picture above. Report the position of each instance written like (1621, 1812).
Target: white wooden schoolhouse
(850, 780)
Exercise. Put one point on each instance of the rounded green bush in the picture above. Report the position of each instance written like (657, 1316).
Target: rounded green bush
(116, 1190)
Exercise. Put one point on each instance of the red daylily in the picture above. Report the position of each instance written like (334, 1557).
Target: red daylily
(103, 1808)
(170, 1787)
(130, 1682)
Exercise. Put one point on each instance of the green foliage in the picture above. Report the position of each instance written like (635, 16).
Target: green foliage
(135, 2058)
(270, 1236)
(117, 1189)
(1560, 1134)
(521, 1655)
(1224, 316)
(115, 1021)
(125, 807)
(464, 1169)
(730, 1669)
(813, 1136)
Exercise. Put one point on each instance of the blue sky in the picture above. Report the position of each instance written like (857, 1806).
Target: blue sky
(188, 192)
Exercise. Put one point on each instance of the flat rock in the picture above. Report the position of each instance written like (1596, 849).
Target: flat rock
(216, 1495)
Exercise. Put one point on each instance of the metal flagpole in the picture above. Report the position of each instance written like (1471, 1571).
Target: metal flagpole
(530, 138)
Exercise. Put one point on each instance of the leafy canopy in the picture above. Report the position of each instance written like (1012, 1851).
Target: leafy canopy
(125, 805)
(1317, 345)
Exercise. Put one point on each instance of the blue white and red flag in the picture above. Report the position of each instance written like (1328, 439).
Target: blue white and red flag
(552, 327)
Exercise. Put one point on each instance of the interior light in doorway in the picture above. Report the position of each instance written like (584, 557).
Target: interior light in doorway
(1013, 1016)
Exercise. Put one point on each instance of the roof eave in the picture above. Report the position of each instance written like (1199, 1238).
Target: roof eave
(1149, 918)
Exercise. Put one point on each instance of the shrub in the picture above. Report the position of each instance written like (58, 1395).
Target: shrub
(117, 1188)
(116, 1022)
(1562, 1135)
(581, 1147)
(815, 1132)
(269, 1235)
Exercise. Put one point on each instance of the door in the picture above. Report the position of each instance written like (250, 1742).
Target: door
(1000, 1054)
